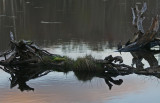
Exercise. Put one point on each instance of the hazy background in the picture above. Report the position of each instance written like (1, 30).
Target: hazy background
(53, 21)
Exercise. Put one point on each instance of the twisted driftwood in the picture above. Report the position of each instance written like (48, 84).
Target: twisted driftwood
(142, 39)
(26, 53)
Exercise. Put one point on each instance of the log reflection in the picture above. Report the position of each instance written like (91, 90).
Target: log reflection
(154, 67)
(85, 76)
(20, 75)
(147, 55)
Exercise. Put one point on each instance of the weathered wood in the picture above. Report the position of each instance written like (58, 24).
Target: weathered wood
(147, 55)
(16, 63)
(150, 34)
(138, 17)
(141, 39)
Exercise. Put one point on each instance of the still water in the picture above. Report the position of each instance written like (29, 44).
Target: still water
(76, 28)
(59, 87)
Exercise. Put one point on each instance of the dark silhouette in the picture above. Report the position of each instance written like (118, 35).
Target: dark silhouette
(86, 76)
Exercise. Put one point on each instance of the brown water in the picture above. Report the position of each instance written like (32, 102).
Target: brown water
(75, 28)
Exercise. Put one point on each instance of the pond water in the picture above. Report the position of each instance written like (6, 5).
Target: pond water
(59, 87)
(76, 28)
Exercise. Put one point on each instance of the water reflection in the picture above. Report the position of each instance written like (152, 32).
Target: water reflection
(20, 75)
(147, 55)
(85, 76)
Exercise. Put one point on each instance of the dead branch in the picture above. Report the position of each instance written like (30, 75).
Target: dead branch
(141, 39)
(138, 18)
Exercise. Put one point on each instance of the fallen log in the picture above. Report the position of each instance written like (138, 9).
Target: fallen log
(27, 61)
(20, 74)
(26, 53)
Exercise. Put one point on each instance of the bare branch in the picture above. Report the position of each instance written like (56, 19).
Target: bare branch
(155, 24)
(139, 16)
(134, 16)
(11, 36)
(140, 24)
(144, 8)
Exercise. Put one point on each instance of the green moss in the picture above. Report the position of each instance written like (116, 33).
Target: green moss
(87, 63)
(58, 59)
(51, 59)
(69, 63)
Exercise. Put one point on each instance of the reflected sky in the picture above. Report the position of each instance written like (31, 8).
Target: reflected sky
(58, 88)
(66, 88)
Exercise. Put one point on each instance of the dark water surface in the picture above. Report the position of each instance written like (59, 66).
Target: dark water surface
(76, 28)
